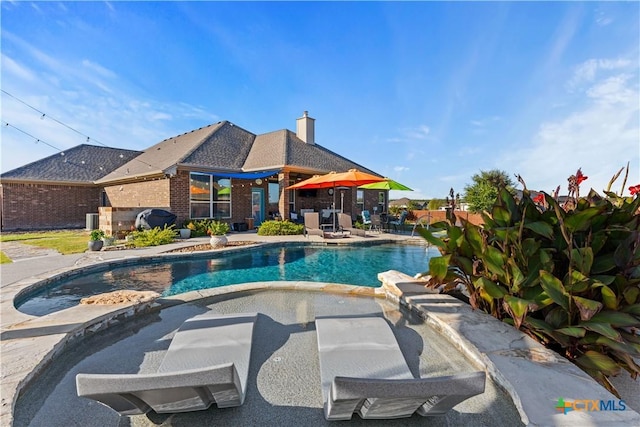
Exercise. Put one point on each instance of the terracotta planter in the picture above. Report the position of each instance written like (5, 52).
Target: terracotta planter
(95, 245)
(218, 241)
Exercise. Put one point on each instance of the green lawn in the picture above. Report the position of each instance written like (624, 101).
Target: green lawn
(66, 242)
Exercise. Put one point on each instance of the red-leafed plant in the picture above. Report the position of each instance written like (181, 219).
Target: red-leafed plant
(569, 276)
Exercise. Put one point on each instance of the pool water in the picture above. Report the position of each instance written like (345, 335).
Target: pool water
(357, 265)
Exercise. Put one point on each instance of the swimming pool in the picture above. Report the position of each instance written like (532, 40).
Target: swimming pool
(353, 265)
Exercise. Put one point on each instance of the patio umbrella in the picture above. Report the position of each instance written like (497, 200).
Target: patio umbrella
(351, 178)
(387, 184)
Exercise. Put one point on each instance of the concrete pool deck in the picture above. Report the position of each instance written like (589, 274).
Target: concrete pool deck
(532, 376)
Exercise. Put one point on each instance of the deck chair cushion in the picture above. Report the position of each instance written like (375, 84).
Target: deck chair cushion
(312, 224)
(363, 370)
(344, 221)
(207, 362)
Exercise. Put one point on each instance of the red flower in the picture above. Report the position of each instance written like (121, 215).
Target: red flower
(635, 189)
(580, 177)
(539, 198)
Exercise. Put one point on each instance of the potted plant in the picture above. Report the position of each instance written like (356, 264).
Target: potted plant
(217, 231)
(185, 231)
(108, 240)
(95, 240)
(130, 236)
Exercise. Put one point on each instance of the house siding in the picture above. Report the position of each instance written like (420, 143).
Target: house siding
(142, 194)
(46, 206)
(179, 197)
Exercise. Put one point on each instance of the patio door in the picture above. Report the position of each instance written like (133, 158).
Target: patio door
(257, 206)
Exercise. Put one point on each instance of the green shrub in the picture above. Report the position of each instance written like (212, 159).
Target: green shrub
(570, 279)
(154, 237)
(217, 228)
(280, 228)
(198, 227)
(96, 234)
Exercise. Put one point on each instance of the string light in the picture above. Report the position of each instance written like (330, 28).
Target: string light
(37, 140)
(42, 117)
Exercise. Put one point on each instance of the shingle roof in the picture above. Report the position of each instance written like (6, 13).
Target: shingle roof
(222, 146)
(81, 164)
(283, 148)
(164, 155)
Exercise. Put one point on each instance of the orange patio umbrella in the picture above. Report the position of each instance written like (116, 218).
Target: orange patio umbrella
(351, 178)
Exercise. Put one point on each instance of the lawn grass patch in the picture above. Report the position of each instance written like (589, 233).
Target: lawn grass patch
(4, 259)
(66, 242)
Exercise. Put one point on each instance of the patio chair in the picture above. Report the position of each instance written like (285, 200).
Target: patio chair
(207, 361)
(376, 223)
(366, 219)
(400, 221)
(312, 224)
(344, 222)
(295, 218)
(363, 370)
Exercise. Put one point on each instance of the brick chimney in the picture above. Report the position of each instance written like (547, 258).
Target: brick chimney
(305, 128)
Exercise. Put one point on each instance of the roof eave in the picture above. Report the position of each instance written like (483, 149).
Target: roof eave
(47, 182)
(132, 177)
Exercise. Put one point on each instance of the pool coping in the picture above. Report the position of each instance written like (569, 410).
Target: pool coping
(533, 376)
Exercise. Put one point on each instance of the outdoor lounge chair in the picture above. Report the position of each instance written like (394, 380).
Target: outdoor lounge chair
(312, 224)
(207, 361)
(366, 219)
(344, 222)
(363, 370)
(400, 221)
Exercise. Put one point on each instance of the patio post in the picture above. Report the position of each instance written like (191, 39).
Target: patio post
(283, 200)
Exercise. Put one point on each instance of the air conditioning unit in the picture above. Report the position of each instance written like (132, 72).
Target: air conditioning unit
(93, 221)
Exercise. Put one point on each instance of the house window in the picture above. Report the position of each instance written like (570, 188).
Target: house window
(274, 192)
(210, 196)
(382, 205)
(360, 199)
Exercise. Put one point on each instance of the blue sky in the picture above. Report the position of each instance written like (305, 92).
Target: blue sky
(427, 93)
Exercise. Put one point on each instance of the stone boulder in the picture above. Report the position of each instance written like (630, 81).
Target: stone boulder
(120, 297)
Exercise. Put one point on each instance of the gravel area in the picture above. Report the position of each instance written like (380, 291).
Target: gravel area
(207, 247)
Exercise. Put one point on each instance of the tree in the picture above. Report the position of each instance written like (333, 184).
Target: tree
(435, 204)
(413, 205)
(483, 193)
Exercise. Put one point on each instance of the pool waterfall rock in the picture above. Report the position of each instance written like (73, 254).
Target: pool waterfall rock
(218, 241)
(120, 297)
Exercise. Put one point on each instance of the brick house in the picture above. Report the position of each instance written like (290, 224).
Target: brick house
(58, 191)
(226, 172)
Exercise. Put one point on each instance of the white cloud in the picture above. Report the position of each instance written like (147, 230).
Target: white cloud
(400, 168)
(600, 136)
(12, 67)
(80, 98)
(602, 19)
(157, 115)
(419, 132)
(587, 71)
(484, 122)
(99, 69)
(35, 7)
